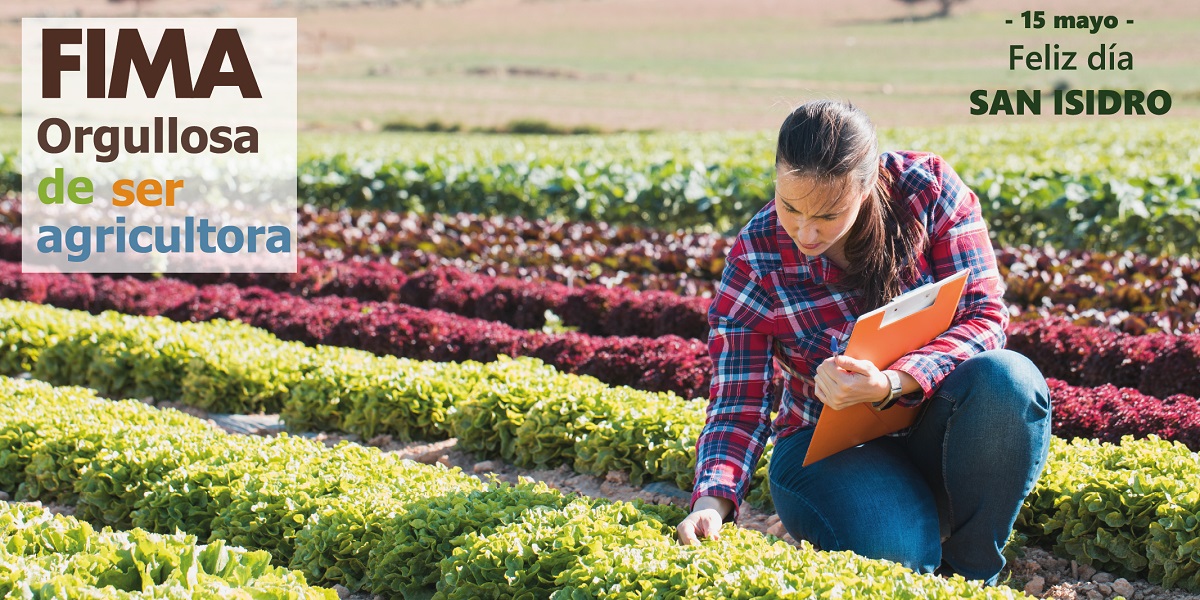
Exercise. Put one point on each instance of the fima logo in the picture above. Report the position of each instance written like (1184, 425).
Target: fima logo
(131, 54)
(159, 145)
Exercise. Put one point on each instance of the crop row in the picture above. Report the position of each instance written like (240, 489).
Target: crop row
(1116, 507)
(593, 309)
(1113, 207)
(666, 363)
(1157, 364)
(1121, 187)
(229, 367)
(1163, 297)
(1171, 320)
(54, 556)
(354, 516)
(586, 252)
(1083, 280)
(336, 402)
(1108, 413)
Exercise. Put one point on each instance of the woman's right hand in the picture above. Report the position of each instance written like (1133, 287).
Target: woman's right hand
(705, 521)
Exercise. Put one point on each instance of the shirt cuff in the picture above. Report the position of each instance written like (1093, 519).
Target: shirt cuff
(918, 367)
(719, 491)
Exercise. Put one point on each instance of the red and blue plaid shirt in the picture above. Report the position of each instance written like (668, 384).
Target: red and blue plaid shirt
(773, 301)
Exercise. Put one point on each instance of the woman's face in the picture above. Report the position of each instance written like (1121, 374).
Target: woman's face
(816, 214)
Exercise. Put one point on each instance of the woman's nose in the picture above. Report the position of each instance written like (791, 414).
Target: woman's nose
(808, 235)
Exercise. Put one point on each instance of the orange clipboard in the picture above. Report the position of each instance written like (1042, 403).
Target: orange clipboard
(882, 336)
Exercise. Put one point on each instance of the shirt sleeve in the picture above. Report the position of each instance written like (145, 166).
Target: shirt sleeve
(738, 421)
(959, 240)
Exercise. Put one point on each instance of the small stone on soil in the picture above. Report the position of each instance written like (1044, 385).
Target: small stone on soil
(1036, 586)
(1123, 587)
(617, 477)
(487, 466)
(380, 440)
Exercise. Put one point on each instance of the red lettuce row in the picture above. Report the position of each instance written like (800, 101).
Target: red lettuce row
(1108, 412)
(691, 263)
(1127, 281)
(667, 363)
(1157, 364)
(592, 309)
(1172, 320)
(1105, 412)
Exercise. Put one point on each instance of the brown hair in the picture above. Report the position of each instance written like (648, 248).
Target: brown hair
(836, 142)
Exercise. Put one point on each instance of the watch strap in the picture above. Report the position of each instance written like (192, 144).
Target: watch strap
(895, 392)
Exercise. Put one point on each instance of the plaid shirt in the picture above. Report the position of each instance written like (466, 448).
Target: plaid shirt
(774, 301)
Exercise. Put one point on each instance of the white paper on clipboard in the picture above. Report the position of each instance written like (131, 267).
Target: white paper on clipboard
(915, 300)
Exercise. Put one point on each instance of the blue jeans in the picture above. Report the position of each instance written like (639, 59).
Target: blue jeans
(943, 498)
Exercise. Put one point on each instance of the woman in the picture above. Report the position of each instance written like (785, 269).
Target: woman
(850, 229)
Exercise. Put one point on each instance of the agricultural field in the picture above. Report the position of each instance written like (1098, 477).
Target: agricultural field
(488, 375)
(471, 389)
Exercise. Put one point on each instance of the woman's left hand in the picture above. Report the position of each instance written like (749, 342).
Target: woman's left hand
(842, 381)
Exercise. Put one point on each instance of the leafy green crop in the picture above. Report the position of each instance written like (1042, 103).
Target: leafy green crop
(45, 555)
(111, 483)
(411, 545)
(646, 435)
(522, 558)
(487, 420)
(243, 374)
(189, 497)
(1127, 508)
(335, 544)
(267, 510)
(1102, 186)
(327, 509)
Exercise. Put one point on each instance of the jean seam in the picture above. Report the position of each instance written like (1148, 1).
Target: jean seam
(821, 517)
(946, 462)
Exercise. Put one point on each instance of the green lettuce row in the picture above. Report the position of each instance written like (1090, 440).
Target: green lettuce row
(1130, 509)
(53, 438)
(1119, 187)
(413, 543)
(520, 410)
(218, 365)
(161, 470)
(55, 556)
(647, 569)
(190, 497)
(1113, 187)
(531, 415)
(380, 523)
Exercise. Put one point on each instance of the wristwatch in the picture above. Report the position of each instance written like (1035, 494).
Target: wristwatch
(897, 390)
